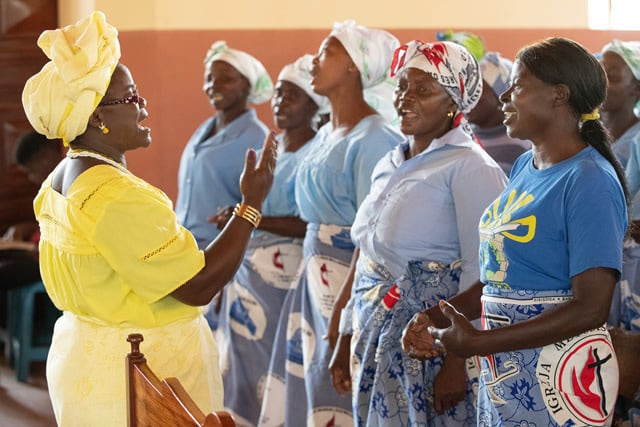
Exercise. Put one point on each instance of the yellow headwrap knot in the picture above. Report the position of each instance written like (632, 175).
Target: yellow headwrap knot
(60, 98)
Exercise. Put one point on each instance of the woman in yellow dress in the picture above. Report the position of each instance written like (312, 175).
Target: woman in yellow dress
(113, 256)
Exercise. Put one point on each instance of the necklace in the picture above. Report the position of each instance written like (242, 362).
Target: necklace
(74, 154)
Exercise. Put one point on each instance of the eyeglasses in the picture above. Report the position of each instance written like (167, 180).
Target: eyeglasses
(133, 99)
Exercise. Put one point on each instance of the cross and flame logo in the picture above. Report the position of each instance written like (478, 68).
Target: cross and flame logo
(582, 382)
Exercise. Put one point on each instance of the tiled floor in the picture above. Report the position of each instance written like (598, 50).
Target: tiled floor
(24, 404)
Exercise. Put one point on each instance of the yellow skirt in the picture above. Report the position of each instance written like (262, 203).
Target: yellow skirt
(87, 361)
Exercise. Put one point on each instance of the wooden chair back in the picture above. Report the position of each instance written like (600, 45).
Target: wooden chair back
(155, 402)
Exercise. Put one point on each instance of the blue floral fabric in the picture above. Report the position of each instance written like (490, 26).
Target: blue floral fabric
(392, 388)
(569, 383)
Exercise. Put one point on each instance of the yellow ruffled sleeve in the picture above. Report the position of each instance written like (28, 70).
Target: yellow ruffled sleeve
(139, 236)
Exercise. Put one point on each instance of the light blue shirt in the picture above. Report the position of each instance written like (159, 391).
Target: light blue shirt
(632, 169)
(281, 200)
(622, 146)
(428, 207)
(209, 174)
(335, 176)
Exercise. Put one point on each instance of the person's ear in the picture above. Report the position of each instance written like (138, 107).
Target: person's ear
(96, 119)
(561, 94)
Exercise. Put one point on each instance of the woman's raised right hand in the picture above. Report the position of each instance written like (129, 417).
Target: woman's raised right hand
(255, 181)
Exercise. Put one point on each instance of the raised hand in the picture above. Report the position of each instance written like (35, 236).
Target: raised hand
(333, 328)
(255, 181)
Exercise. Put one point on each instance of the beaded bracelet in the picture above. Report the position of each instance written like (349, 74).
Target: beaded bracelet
(248, 213)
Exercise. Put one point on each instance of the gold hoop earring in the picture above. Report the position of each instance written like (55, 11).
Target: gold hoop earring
(103, 128)
(450, 114)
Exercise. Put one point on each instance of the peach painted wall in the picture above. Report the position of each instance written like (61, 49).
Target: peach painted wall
(167, 66)
(311, 14)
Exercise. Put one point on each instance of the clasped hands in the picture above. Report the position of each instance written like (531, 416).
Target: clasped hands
(422, 340)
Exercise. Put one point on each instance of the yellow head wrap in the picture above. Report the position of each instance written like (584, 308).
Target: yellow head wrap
(60, 98)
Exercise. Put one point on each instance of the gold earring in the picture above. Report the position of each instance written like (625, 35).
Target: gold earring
(103, 128)
(450, 114)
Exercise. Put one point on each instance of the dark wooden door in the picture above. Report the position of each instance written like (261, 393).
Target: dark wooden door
(21, 22)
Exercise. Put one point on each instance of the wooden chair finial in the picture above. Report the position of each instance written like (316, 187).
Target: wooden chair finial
(135, 340)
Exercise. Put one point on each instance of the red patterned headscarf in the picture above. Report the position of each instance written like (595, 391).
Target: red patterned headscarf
(453, 67)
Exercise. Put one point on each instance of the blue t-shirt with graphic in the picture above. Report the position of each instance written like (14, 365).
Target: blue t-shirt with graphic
(552, 224)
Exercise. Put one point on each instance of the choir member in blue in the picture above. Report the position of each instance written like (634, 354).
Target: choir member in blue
(332, 181)
(550, 255)
(417, 241)
(621, 62)
(211, 162)
(252, 301)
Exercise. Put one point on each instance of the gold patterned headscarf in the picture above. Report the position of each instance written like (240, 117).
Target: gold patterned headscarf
(60, 99)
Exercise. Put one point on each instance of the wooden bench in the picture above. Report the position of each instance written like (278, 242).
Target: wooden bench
(155, 402)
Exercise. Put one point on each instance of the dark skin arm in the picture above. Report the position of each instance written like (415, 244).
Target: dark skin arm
(588, 309)
(289, 226)
(341, 301)
(224, 255)
(450, 384)
(418, 343)
(627, 346)
(339, 367)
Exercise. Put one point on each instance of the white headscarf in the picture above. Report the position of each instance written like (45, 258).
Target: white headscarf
(299, 73)
(629, 52)
(261, 84)
(60, 99)
(371, 50)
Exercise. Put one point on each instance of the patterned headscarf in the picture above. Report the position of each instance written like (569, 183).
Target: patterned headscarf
(252, 69)
(496, 71)
(453, 67)
(370, 50)
(61, 97)
(629, 51)
(299, 73)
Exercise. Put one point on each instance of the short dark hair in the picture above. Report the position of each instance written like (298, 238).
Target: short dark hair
(32, 144)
